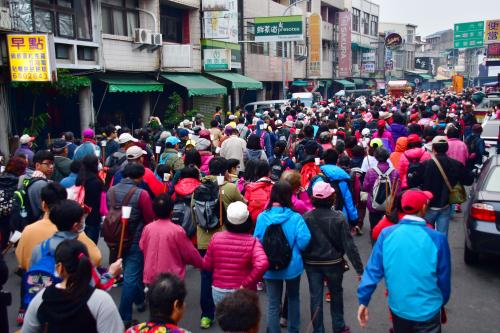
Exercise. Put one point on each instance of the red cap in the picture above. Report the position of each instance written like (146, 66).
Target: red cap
(412, 138)
(381, 123)
(414, 200)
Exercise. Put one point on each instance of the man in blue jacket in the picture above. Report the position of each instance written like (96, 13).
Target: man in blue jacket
(415, 262)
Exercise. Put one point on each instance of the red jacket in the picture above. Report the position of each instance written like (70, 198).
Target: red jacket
(236, 260)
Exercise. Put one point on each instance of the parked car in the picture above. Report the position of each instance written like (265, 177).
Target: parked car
(264, 105)
(491, 130)
(482, 213)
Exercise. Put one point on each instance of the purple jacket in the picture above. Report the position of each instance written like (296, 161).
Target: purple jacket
(26, 151)
(371, 177)
(398, 131)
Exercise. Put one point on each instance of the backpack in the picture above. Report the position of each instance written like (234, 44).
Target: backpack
(300, 151)
(112, 225)
(382, 189)
(166, 158)
(276, 247)
(262, 139)
(412, 173)
(7, 200)
(257, 198)
(208, 212)
(182, 215)
(22, 213)
(277, 166)
(76, 193)
(307, 172)
(114, 163)
(283, 134)
(40, 275)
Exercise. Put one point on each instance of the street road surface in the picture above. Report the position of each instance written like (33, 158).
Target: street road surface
(474, 305)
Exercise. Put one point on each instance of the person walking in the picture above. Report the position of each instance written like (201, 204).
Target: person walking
(61, 161)
(72, 305)
(324, 257)
(93, 187)
(88, 147)
(279, 214)
(166, 298)
(25, 148)
(235, 258)
(415, 262)
(165, 245)
(133, 259)
(235, 147)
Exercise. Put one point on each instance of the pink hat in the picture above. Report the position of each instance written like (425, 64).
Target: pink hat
(88, 133)
(289, 118)
(368, 117)
(322, 190)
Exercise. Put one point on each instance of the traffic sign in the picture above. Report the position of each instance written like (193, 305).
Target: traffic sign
(468, 35)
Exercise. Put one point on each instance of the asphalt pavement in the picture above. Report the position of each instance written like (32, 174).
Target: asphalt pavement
(473, 307)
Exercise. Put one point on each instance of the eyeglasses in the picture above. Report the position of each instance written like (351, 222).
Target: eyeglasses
(48, 164)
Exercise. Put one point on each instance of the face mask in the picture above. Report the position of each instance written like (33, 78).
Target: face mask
(82, 227)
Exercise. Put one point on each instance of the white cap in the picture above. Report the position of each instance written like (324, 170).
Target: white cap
(126, 137)
(237, 213)
(135, 152)
(25, 138)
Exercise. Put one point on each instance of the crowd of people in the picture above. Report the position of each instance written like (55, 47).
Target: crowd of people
(251, 199)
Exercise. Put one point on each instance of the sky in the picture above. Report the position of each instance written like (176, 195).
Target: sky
(435, 15)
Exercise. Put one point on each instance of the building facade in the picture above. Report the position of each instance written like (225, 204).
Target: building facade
(403, 58)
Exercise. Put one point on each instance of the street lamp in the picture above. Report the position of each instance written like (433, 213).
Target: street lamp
(283, 49)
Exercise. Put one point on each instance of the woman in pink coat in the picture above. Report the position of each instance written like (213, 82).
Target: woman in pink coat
(236, 258)
(300, 199)
(165, 246)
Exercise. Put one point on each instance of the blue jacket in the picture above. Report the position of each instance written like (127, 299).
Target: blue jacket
(335, 173)
(268, 148)
(69, 181)
(86, 148)
(415, 262)
(296, 233)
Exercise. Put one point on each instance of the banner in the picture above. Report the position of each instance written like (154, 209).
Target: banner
(279, 28)
(221, 25)
(315, 47)
(31, 58)
(344, 44)
(492, 31)
(369, 67)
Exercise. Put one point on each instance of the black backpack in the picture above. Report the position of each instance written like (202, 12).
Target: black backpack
(278, 251)
(208, 212)
(21, 213)
(412, 174)
(182, 215)
(7, 197)
(277, 168)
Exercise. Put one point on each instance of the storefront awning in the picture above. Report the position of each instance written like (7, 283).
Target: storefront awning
(361, 47)
(346, 84)
(300, 83)
(325, 83)
(132, 85)
(426, 76)
(238, 81)
(196, 84)
(358, 82)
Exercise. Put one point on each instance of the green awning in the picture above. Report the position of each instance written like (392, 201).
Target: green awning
(426, 76)
(361, 47)
(346, 84)
(325, 83)
(358, 82)
(411, 84)
(238, 81)
(300, 83)
(196, 84)
(132, 85)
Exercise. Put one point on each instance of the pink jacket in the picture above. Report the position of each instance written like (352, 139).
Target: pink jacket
(301, 203)
(167, 249)
(404, 163)
(457, 149)
(236, 260)
(206, 156)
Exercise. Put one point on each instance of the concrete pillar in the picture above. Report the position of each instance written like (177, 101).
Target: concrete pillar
(86, 110)
(146, 109)
(236, 94)
(4, 121)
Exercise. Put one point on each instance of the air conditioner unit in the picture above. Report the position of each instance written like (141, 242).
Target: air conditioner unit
(300, 50)
(5, 22)
(142, 36)
(156, 39)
